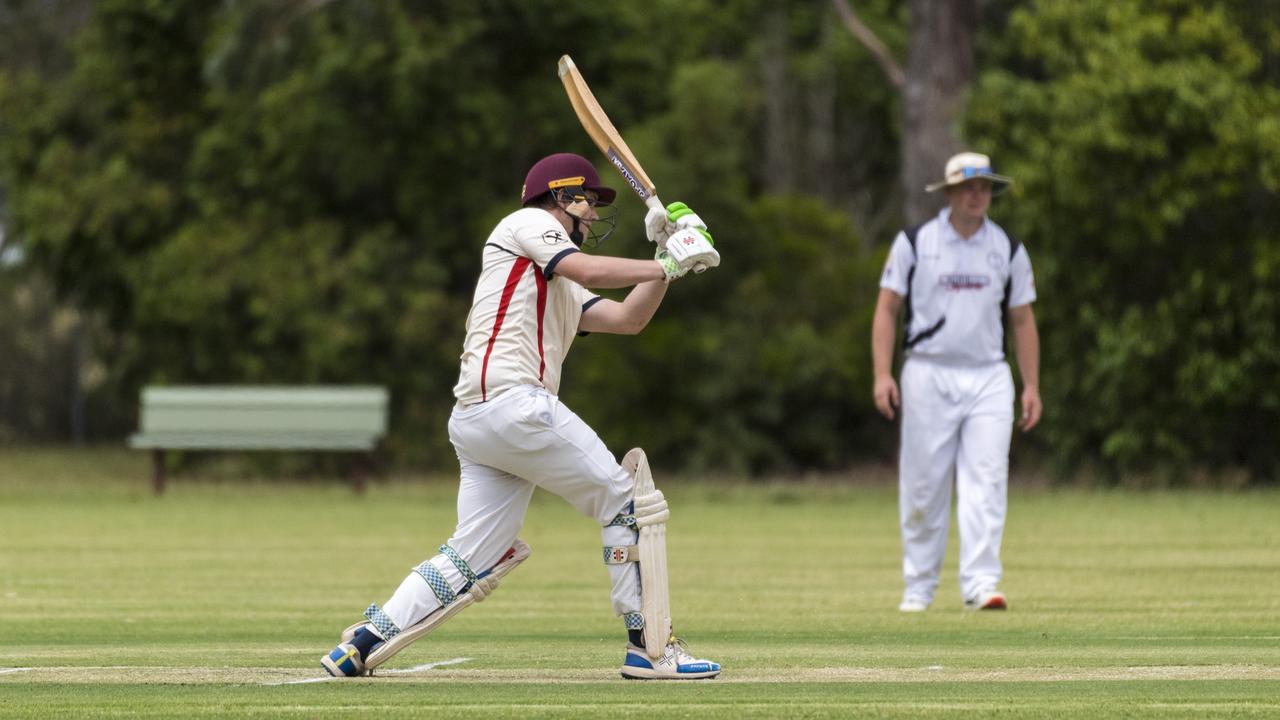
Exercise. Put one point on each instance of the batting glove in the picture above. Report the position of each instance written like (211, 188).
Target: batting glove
(660, 223)
(671, 268)
(682, 216)
(657, 227)
(693, 249)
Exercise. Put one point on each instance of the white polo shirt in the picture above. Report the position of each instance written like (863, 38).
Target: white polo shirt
(957, 290)
(524, 316)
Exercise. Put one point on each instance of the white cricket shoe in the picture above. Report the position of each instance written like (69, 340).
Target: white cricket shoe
(987, 600)
(913, 605)
(675, 664)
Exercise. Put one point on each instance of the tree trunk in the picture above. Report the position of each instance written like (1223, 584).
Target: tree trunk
(823, 174)
(940, 69)
(779, 147)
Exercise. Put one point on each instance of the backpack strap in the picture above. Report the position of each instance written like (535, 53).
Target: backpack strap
(909, 341)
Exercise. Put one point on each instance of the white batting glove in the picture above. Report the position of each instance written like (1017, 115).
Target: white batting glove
(682, 216)
(657, 226)
(693, 249)
(660, 223)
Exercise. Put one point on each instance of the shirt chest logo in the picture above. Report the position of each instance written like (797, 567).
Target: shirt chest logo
(958, 282)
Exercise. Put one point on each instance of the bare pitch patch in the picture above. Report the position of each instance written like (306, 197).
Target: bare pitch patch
(450, 671)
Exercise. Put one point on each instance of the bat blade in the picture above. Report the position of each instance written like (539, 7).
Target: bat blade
(604, 134)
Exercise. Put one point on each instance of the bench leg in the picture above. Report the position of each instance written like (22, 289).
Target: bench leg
(360, 473)
(157, 472)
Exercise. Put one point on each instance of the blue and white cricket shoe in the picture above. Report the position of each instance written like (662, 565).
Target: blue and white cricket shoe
(343, 661)
(675, 664)
(346, 660)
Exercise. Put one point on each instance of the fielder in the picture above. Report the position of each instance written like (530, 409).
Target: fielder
(958, 276)
(513, 434)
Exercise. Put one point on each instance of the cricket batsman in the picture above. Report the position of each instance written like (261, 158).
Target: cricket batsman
(513, 434)
(961, 280)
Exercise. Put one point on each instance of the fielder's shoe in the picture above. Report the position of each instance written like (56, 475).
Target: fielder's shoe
(987, 600)
(347, 660)
(675, 664)
(913, 604)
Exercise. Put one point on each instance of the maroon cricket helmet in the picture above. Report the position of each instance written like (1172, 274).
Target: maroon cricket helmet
(563, 170)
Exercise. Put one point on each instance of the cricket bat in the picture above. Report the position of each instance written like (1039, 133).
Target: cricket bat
(604, 135)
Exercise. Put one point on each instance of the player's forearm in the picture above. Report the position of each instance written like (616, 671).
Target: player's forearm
(1026, 343)
(883, 331)
(640, 305)
(603, 272)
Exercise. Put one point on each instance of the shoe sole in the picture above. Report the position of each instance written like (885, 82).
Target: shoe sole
(995, 603)
(639, 674)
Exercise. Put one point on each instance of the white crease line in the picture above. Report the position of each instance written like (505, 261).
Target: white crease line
(326, 678)
(416, 668)
(10, 671)
(428, 666)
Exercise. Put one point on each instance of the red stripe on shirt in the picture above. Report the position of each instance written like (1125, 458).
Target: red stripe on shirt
(541, 281)
(513, 279)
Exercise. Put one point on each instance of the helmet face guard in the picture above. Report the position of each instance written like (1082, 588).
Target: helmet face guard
(573, 183)
(578, 202)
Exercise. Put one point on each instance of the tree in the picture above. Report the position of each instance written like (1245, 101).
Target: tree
(1146, 146)
(932, 88)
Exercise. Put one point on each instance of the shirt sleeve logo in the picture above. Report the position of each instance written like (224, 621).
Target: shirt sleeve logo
(554, 237)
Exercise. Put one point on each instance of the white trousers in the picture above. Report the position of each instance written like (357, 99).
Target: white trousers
(955, 419)
(524, 438)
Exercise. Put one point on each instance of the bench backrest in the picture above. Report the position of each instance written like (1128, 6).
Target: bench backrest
(243, 416)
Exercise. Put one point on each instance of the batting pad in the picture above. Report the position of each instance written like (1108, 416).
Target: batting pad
(651, 521)
(477, 591)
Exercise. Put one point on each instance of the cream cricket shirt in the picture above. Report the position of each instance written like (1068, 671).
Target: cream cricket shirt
(957, 290)
(523, 317)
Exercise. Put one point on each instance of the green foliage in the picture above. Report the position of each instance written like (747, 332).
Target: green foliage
(1146, 148)
(281, 192)
(275, 191)
(761, 364)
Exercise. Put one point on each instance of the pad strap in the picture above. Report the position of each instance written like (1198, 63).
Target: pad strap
(623, 519)
(463, 568)
(383, 624)
(633, 620)
(436, 580)
(437, 583)
(621, 554)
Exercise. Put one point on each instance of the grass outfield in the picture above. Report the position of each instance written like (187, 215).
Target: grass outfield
(218, 599)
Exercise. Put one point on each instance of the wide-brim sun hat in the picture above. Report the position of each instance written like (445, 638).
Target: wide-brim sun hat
(967, 166)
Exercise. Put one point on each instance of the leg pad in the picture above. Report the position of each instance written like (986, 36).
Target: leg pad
(651, 515)
(476, 592)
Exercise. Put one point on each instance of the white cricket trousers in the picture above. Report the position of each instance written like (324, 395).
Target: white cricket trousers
(522, 439)
(954, 418)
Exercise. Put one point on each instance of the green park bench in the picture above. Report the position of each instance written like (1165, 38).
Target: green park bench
(246, 417)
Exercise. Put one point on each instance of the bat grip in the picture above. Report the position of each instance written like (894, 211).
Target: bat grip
(653, 202)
